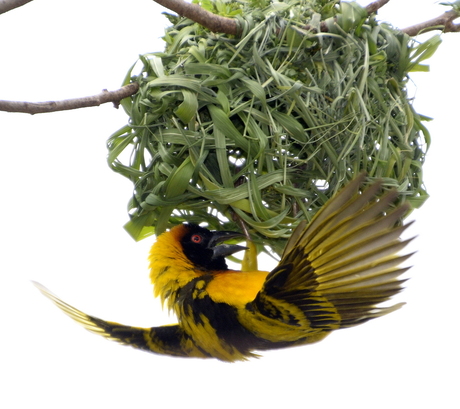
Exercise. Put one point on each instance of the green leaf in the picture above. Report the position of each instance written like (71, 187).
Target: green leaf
(187, 110)
(178, 181)
(291, 126)
(222, 123)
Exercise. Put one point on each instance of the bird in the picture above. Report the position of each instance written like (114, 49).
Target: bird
(335, 272)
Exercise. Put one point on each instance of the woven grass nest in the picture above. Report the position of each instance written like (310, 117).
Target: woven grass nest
(262, 129)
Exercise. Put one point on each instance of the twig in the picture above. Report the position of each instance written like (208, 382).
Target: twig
(444, 22)
(213, 22)
(7, 5)
(68, 104)
(242, 224)
(376, 5)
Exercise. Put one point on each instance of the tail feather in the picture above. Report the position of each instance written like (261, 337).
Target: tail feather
(168, 339)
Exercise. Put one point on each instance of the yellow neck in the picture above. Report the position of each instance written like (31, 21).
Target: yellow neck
(170, 269)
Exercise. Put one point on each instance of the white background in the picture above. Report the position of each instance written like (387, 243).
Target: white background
(62, 211)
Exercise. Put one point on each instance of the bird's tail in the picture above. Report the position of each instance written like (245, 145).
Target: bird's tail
(165, 340)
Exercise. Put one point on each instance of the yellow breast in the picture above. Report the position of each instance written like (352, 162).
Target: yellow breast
(236, 288)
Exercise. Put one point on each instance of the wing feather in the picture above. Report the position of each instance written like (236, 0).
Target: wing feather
(345, 262)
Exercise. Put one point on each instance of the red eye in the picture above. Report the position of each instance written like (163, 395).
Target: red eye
(196, 238)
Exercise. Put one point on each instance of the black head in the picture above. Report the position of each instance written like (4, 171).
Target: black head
(201, 247)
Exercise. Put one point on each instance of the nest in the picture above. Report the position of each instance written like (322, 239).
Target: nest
(261, 130)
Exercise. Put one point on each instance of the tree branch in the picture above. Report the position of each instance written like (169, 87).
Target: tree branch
(7, 5)
(209, 20)
(444, 22)
(68, 104)
(376, 5)
(219, 24)
(213, 22)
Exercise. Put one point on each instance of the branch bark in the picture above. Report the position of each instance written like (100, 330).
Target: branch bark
(376, 5)
(444, 22)
(68, 104)
(7, 5)
(213, 22)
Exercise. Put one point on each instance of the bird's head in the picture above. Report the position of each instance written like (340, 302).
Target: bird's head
(202, 246)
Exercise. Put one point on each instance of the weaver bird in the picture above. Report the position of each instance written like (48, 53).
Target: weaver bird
(333, 273)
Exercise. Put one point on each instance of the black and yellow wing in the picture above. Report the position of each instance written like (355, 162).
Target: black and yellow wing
(336, 270)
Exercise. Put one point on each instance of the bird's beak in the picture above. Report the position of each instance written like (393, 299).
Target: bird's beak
(224, 250)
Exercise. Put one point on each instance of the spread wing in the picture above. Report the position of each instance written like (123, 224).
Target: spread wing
(336, 271)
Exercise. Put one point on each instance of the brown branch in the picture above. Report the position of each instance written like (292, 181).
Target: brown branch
(242, 225)
(213, 22)
(68, 104)
(376, 5)
(444, 22)
(7, 5)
